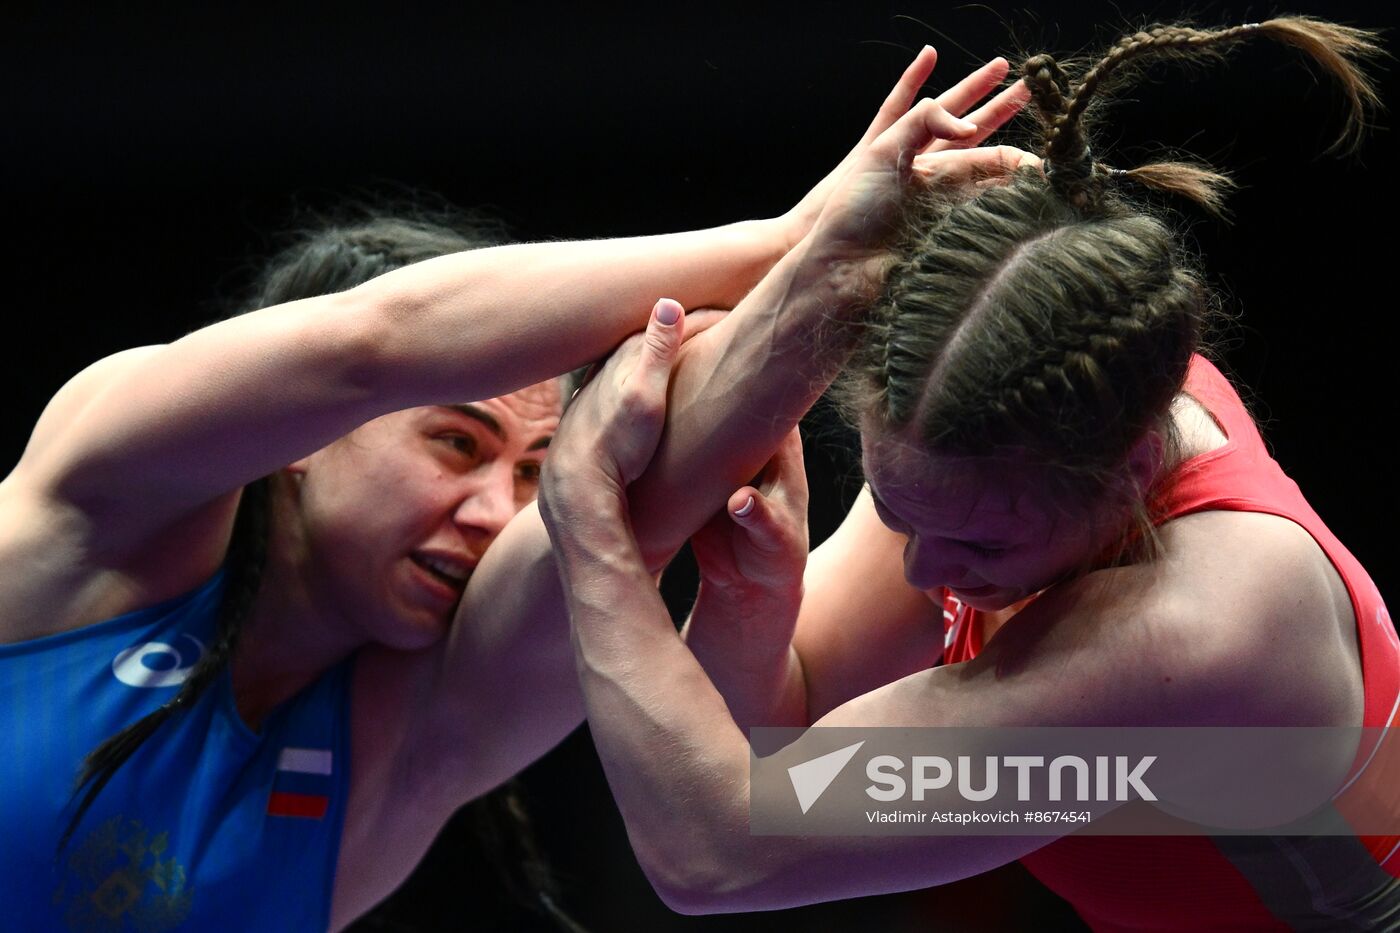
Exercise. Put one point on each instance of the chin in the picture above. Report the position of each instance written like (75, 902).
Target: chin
(417, 632)
(988, 598)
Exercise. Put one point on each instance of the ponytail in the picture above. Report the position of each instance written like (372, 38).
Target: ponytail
(1068, 160)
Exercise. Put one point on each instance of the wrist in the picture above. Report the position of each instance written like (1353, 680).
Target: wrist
(577, 502)
(772, 239)
(759, 608)
(849, 278)
(792, 227)
(749, 248)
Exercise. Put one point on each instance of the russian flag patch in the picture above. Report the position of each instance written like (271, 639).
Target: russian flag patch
(302, 785)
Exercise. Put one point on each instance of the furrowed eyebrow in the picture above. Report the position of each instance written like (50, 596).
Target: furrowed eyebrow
(480, 414)
(540, 444)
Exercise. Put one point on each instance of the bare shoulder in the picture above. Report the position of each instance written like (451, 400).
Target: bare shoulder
(1271, 614)
(1242, 620)
(64, 566)
(37, 466)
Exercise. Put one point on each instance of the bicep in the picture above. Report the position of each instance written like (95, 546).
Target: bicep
(170, 428)
(502, 689)
(861, 625)
(72, 562)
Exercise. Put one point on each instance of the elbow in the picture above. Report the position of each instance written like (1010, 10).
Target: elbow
(362, 346)
(692, 895)
(686, 903)
(700, 879)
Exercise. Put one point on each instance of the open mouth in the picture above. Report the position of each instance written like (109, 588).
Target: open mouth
(452, 573)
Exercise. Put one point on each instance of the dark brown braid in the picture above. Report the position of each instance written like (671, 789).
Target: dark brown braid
(1050, 321)
(1068, 159)
(1048, 84)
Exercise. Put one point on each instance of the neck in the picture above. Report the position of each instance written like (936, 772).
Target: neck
(1196, 428)
(289, 638)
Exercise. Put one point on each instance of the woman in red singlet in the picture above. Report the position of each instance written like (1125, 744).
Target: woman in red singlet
(1070, 520)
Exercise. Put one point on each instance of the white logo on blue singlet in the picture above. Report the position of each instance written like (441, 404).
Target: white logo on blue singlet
(156, 664)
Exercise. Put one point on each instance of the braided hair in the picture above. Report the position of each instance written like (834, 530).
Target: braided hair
(1069, 163)
(1051, 320)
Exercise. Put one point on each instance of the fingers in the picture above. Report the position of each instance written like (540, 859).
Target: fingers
(785, 476)
(992, 115)
(761, 520)
(664, 334)
(906, 89)
(921, 126)
(959, 98)
(774, 515)
(954, 102)
(697, 322)
(981, 166)
(998, 111)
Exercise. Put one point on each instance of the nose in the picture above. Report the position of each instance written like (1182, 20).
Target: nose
(487, 506)
(928, 564)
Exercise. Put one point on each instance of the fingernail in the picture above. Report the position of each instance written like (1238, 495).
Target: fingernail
(744, 512)
(668, 312)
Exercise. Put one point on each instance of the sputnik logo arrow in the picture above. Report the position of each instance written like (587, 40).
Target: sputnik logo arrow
(811, 778)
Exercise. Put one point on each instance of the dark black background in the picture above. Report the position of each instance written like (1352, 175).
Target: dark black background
(148, 158)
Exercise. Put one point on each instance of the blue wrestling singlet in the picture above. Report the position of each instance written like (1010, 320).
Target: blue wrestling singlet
(208, 826)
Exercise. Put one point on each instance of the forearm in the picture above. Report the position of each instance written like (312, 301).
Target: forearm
(678, 767)
(745, 650)
(739, 387)
(289, 379)
(677, 764)
(485, 322)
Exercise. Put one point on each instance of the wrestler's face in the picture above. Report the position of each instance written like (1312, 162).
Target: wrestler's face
(988, 532)
(398, 513)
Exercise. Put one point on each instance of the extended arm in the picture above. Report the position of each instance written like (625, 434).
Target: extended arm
(177, 425)
(673, 753)
(741, 386)
(126, 491)
(1128, 646)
